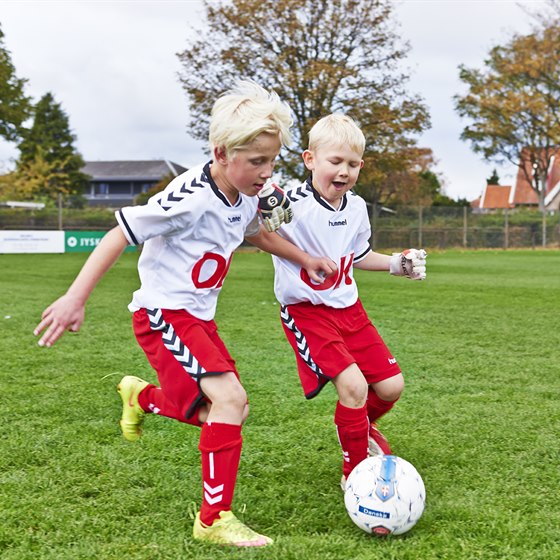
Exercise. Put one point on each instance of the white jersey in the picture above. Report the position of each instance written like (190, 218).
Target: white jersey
(190, 231)
(319, 229)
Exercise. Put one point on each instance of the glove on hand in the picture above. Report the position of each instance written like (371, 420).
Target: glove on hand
(410, 263)
(274, 207)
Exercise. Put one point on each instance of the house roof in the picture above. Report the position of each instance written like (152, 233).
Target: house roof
(495, 196)
(129, 170)
(523, 193)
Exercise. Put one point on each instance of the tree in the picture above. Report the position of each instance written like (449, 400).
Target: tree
(143, 198)
(14, 104)
(494, 179)
(514, 105)
(321, 56)
(48, 157)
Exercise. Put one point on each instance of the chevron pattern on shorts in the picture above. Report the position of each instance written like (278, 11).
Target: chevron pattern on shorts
(167, 202)
(174, 344)
(303, 348)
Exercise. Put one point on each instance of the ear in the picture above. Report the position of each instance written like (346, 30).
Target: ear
(361, 164)
(220, 155)
(308, 159)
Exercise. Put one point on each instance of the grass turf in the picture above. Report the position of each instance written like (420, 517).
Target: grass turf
(479, 419)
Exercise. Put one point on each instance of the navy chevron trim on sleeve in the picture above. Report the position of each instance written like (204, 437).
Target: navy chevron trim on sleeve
(177, 195)
(298, 193)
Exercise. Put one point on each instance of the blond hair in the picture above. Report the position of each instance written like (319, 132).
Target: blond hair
(244, 112)
(337, 129)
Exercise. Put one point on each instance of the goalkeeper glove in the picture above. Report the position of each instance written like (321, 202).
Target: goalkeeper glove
(410, 263)
(274, 207)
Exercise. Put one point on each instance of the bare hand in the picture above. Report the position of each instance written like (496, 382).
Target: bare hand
(320, 268)
(66, 313)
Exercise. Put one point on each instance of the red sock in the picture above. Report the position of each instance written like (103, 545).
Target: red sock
(152, 399)
(220, 447)
(376, 407)
(352, 427)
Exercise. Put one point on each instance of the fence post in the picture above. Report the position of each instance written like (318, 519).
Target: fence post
(59, 211)
(506, 229)
(465, 227)
(420, 242)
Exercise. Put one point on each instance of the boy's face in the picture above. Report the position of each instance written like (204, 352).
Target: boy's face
(248, 169)
(335, 170)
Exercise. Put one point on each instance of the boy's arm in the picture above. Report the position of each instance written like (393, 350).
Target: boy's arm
(374, 261)
(67, 312)
(318, 268)
(410, 263)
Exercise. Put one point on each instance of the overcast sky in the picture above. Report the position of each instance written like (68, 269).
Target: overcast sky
(113, 67)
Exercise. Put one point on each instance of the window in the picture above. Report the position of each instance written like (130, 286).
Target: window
(101, 189)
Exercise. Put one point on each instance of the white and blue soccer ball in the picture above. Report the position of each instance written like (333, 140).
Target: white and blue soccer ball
(385, 495)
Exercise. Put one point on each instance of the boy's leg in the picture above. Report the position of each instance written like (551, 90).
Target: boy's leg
(351, 417)
(139, 398)
(390, 389)
(220, 446)
(352, 428)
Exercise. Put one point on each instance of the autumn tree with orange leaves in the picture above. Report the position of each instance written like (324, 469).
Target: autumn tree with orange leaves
(513, 105)
(320, 56)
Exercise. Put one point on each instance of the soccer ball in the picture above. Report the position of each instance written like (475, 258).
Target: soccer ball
(384, 495)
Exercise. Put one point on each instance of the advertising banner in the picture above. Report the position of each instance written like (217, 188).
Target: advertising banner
(41, 241)
(85, 241)
(19, 241)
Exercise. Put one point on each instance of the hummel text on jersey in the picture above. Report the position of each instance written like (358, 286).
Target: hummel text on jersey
(337, 223)
(234, 219)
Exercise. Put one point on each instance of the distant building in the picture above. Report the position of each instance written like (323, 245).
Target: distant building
(117, 183)
(521, 194)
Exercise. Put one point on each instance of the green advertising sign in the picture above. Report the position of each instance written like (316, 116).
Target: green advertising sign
(84, 241)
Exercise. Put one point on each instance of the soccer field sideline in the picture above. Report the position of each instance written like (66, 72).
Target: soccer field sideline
(479, 419)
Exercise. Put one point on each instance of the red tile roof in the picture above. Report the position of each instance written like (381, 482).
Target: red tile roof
(496, 196)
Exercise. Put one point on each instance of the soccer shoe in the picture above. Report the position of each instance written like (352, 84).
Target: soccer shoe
(132, 414)
(228, 530)
(377, 443)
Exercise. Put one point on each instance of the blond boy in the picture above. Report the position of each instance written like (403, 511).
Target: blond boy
(189, 232)
(325, 323)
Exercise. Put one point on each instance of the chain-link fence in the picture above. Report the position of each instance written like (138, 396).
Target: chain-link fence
(434, 227)
(446, 227)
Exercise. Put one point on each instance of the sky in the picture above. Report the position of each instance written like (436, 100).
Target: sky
(112, 66)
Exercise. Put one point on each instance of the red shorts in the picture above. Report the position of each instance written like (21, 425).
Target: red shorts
(182, 349)
(327, 340)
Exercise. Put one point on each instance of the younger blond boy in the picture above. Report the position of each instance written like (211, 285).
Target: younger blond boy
(325, 323)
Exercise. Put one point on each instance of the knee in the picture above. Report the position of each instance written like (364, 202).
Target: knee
(236, 397)
(353, 393)
(390, 389)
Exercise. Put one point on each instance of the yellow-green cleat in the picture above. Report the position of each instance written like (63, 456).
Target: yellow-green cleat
(132, 414)
(228, 530)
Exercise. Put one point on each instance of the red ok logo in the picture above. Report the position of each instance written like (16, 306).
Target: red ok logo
(335, 280)
(216, 279)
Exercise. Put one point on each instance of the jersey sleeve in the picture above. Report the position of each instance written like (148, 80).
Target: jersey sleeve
(253, 227)
(362, 246)
(158, 217)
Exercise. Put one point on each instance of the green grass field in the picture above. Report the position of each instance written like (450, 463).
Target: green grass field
(480, 419)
